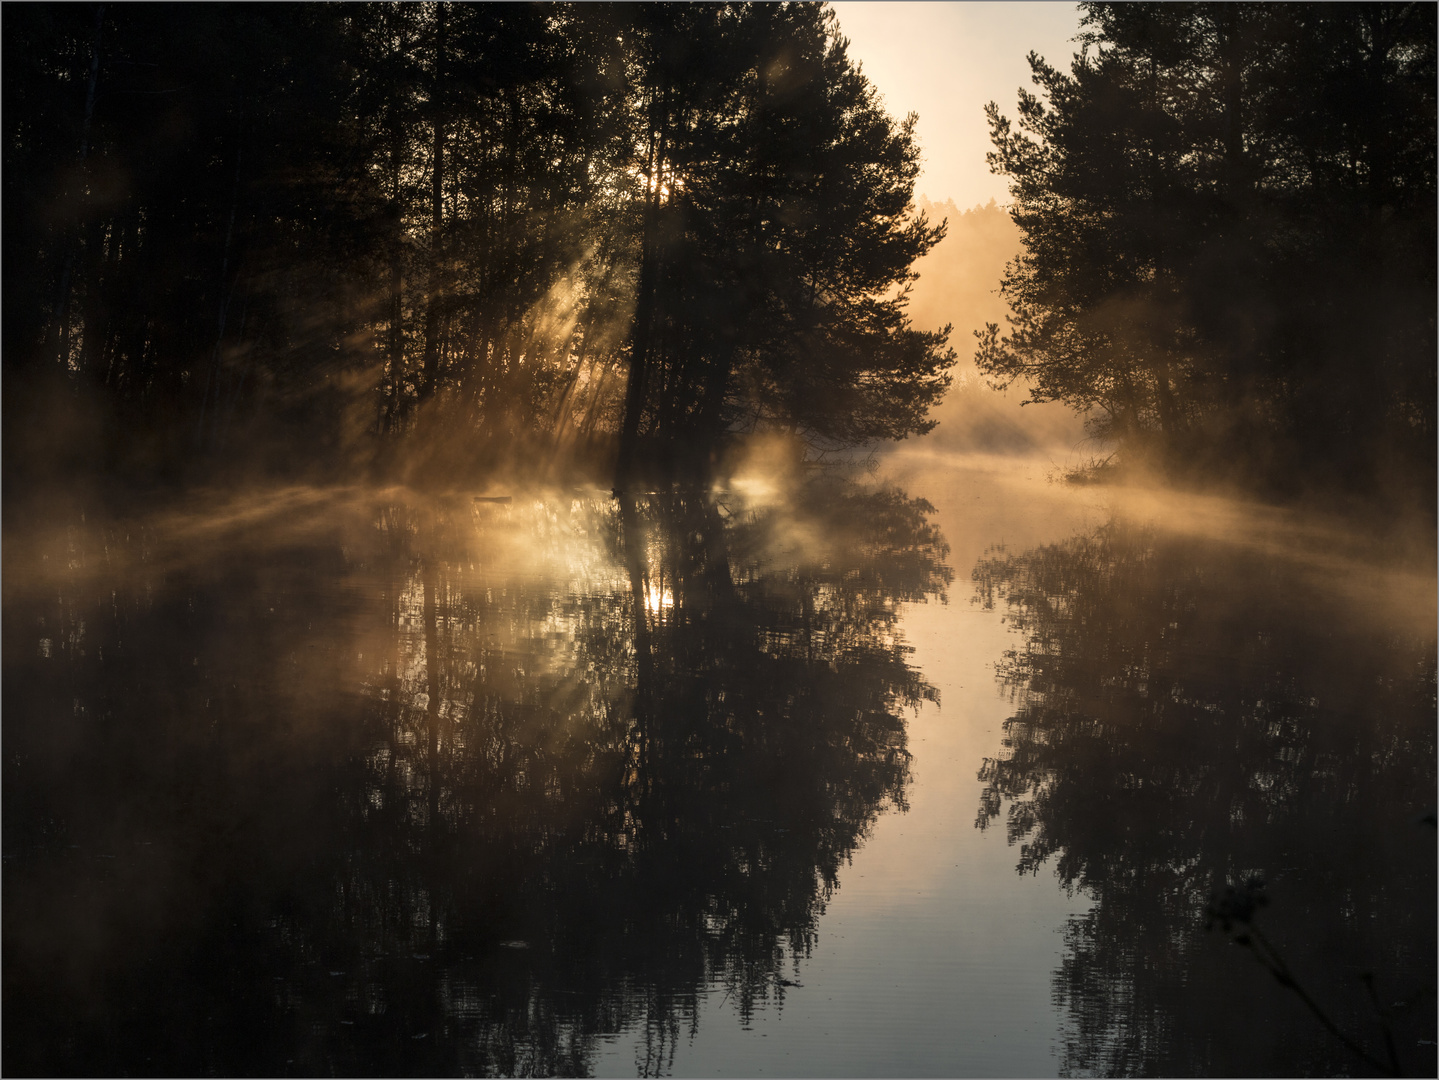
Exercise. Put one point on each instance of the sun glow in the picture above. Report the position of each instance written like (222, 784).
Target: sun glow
(658, 598)
(668, 181)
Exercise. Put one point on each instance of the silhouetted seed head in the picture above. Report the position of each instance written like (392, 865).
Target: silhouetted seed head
(1235, 904)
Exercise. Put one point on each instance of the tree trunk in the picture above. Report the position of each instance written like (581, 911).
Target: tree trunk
(392, 404)
(643, 328)
(1169, 420)
(95, 320)
(60, 330)
(227, 291)
(430, 365)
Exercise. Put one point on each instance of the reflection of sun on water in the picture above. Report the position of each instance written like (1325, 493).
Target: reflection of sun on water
(658, 598)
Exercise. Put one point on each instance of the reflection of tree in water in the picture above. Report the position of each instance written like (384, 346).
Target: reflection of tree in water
(1191, 714)
(540, 821)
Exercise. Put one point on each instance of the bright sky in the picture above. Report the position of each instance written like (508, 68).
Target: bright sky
(946, 61)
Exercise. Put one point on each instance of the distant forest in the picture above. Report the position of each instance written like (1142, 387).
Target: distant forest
(435, 239)
(1228, 214)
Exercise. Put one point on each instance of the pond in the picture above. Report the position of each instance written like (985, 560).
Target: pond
(933, 774)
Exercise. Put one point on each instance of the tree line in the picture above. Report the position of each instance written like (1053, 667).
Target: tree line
(1229, 223)
(454, 234)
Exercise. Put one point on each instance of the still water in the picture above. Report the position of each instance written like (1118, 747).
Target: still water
(930, 775)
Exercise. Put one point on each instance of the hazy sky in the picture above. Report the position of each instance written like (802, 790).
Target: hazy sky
(945, 61)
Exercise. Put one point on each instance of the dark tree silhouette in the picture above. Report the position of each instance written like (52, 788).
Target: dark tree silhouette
(777, 223)
(1230, 238)
(447, 237)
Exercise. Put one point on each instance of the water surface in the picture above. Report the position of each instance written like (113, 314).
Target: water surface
(824, 779)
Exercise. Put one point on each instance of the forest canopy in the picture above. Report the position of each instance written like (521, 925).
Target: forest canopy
(457, 236)
(1229, 239)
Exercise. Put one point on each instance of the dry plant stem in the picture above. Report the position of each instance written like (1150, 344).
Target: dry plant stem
(1368, 978)
(1267, 955)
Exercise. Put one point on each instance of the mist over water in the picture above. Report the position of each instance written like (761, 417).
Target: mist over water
(300, 780)
(369, 781)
